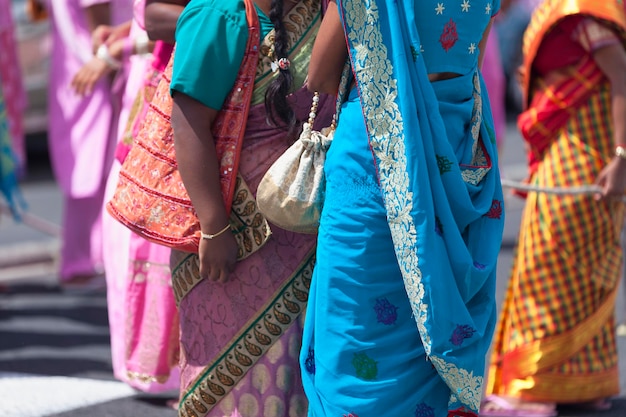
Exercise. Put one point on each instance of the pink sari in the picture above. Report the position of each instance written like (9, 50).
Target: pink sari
(256, 315)
(81, 134)
(240, 340)
(143, 319)
(493, 73)
(152, 321)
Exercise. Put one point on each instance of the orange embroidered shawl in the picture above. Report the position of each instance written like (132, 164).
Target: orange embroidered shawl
(150, 198)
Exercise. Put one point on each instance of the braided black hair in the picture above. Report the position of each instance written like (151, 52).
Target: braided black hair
(276, 105)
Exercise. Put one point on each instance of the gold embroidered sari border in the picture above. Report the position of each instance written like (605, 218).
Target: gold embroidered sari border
(250, 344)
(183, 283)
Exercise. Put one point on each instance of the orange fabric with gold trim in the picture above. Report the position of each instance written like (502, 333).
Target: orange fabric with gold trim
(150, 198)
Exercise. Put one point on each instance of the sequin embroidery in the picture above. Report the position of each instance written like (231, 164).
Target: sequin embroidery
(366, 367)
(449, 36)
(386, 313)
(495, 212)
(462, 332)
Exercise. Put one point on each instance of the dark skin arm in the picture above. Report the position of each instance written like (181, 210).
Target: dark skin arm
(612, 61)
(199, 169)
(161, 18)
(483, 44)
(329, 54)
(504, 5)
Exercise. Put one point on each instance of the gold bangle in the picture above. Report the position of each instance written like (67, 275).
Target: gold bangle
(620, 151)
(210, 236)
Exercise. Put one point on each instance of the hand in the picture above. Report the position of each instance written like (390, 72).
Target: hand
(100, 36)
(85, 79)
(118, 33)
(218, 257)
(612, 179)
(116, 49)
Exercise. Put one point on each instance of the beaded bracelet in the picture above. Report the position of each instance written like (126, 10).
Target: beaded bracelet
(209, 236)
(620, 151)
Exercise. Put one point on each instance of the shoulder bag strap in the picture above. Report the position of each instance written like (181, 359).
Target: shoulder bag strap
(230, 124)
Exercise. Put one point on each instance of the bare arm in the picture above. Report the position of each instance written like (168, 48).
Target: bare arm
(483, 44)
(612, 61)
(329, 54)
(114, 38)
(161, 18)
(504, 5)
(199, 169)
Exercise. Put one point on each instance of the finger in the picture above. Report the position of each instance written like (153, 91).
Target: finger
(88, 86)
(78, 86)
(600, 194)
(90, 83)
(84, 83)
(224, 275)
(606, 191)
(74, 85)
(215, 274)
(205, 271)
(78, 76)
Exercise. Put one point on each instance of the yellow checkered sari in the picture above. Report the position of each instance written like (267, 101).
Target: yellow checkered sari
(555, 341)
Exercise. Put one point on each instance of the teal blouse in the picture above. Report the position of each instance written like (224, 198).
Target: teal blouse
(211, 38)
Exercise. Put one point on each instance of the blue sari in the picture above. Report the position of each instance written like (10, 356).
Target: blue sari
(402, 303)
(8, 165)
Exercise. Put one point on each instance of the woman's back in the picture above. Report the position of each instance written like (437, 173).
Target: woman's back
(451, 32)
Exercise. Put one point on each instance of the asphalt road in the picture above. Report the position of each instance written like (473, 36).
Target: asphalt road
(54, 345)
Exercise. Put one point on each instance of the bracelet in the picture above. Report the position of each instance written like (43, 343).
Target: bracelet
(103, 54)
(141, 44)
(210, 236)
(620, 151)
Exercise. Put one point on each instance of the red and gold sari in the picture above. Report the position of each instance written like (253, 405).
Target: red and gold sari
(555, 341)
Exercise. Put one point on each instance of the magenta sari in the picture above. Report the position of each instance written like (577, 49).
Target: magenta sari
(143, 319)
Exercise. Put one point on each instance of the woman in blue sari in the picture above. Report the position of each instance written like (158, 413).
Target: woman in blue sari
(8, 166)
(402, 302)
